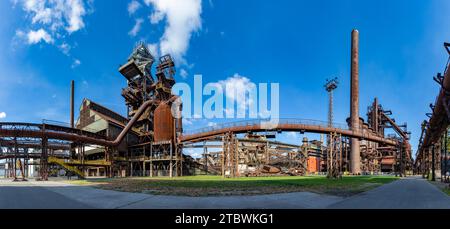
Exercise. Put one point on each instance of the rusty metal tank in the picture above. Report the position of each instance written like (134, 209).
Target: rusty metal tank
(163, 123)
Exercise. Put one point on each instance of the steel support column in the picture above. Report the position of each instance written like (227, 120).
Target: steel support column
(433, 167)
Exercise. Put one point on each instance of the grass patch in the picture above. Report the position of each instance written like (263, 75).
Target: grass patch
(445, 187)
(216, 185)
(446, 190)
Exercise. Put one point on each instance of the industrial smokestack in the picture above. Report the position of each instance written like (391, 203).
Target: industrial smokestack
(72, 106)
(355, 159)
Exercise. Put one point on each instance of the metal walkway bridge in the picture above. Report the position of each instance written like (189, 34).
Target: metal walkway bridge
(297, 125)
(56, 132)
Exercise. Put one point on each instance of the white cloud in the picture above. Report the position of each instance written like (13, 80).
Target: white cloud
(156, 17)
(65, 48)
(2, 115)
(183, 73)
(50, 20)
(36, 36)
(76, 63)
(55, 14)
(133, 6)
(42, 14)
(74, 12)
(236, 89)
(136, 28)
(182, 19)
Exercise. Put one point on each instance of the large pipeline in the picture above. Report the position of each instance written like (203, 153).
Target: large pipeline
(85, 138)
(74, 136)
(130, 124)
(439, 120)
(395, 126)
(19, 144)
(289, 127)
(51, 134)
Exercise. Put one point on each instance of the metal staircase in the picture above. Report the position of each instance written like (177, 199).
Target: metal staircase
(66, 166)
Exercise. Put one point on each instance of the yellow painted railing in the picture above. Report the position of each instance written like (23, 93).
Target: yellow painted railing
(66, 166)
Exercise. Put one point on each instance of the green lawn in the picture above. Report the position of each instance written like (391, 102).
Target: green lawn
(216, 185)
(442, 186)
(446, 190)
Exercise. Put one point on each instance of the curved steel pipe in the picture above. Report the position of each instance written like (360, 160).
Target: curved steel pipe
(289, 127)
(439, 120)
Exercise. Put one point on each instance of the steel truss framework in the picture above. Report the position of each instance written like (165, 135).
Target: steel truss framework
(156, 159)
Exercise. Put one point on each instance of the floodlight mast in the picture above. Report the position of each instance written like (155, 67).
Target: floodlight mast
(330, 86)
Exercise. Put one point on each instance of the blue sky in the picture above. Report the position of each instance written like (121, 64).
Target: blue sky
(297, 44)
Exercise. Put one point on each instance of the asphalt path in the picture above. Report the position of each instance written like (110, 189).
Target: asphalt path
(406, 193)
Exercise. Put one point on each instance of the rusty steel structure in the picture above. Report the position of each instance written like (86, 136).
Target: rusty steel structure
(334, 156)
(256, 155)
(148, 103)
(150, 140)
(432, 157)
(158, 129)
(377, 156)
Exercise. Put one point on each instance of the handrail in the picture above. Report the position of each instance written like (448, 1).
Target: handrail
(260, 121)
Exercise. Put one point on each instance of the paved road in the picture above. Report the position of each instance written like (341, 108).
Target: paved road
(407, 193)
(51, 194)
(21, 195)
(113, 199)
